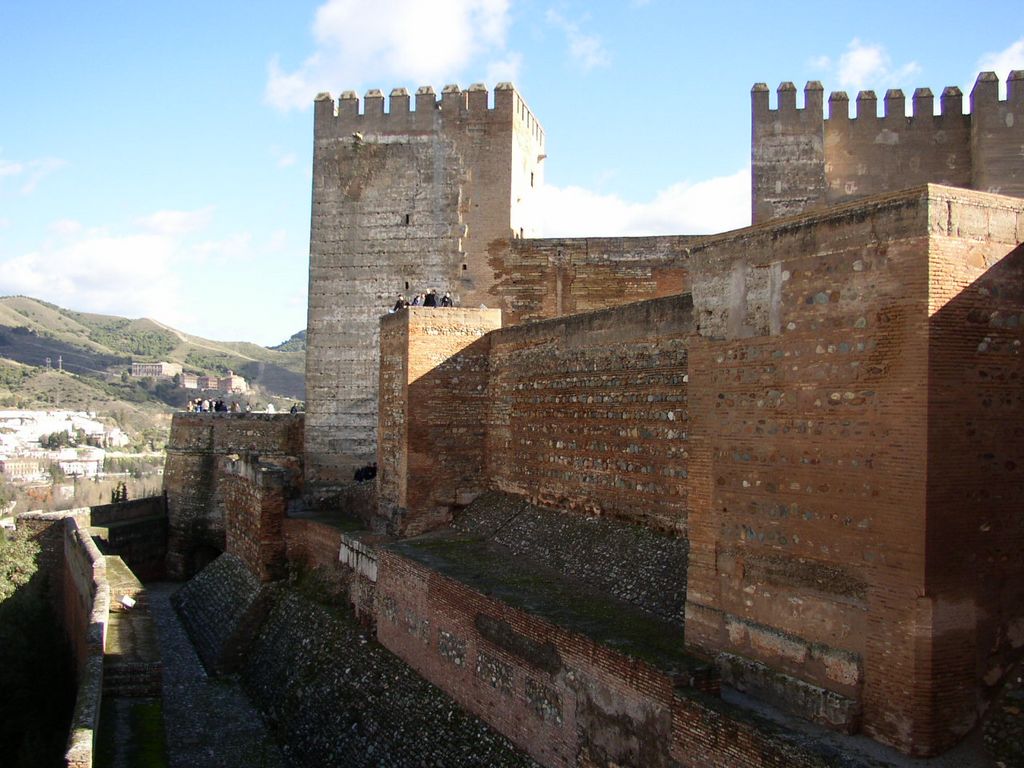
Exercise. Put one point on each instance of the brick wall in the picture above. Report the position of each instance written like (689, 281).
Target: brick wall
(554, 693)
(256, 497)
(973, 600)
(77, 574)
(434, 395)
(813, 523)
(195, 502)
(589, 412)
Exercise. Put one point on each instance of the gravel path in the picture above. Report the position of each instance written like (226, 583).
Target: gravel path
(209, 722)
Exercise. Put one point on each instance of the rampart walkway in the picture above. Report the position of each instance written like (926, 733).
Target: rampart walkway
(209, 722)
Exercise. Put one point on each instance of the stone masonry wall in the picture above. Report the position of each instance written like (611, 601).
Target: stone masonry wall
(546, 278)
(135, 531)
(974, 596)
(589, 412)
(813, 523)
(554, 693)
(433, 411)
(195, 503)
(801, 161)
(77, 574)
(255, 502)
(402, 202)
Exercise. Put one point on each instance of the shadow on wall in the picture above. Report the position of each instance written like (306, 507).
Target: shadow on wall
(974, 580)
(36, 674)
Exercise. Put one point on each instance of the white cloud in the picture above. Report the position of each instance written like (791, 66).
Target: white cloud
(66, 227)
(130, 274)
(866, 65)
(1003, 62)
(713, 205)
(506, 69)
(174, 223)
(820, 62)
(144, 271)
(286, 160)
(586, 50)
(235, 247)
(30, 172)
(395, 40)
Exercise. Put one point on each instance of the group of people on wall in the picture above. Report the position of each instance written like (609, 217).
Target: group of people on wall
(204, 405)
(428, 299)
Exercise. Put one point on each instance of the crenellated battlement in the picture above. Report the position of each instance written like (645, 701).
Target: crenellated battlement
(803, 158)
(985, 93)
(428, 112)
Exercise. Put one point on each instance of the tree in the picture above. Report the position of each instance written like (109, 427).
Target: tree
(17, 563)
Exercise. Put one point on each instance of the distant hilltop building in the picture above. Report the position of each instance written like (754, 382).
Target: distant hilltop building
(156, 370)
(231, 382)
(20, 468)
(81, 462)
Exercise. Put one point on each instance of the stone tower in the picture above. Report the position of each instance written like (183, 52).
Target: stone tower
(801, 160)
(403, 201)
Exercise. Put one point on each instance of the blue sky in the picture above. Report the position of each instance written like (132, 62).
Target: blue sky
(155, 157)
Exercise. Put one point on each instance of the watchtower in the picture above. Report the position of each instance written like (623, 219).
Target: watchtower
(403, 201)
(801, 160)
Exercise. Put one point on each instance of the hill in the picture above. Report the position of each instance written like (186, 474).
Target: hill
(100, 348)
(296, 343)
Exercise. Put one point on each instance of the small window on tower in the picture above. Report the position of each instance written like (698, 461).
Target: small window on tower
(464, 267)
(407, 285)
(408, 219)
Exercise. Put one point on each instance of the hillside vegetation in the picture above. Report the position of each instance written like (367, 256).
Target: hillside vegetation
(90, 356)
(99, 348)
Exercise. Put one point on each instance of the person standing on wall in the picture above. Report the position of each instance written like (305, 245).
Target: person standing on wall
(431, 299)
(446, 300)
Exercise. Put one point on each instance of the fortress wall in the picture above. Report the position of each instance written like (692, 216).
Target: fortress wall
(590, 412)
(556, 694)
(78, 582)
(809, 417)
(822, 358)
(974, 598)
(787, 152)
(563, 698)
(87, 614)
(434, 394)
(545, 278)
(136, 531)
(195, 503)
(997, 135)
(803, 161)
(813, 527)
(255, 500)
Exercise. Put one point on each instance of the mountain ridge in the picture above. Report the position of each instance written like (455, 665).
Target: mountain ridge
(98, 349)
